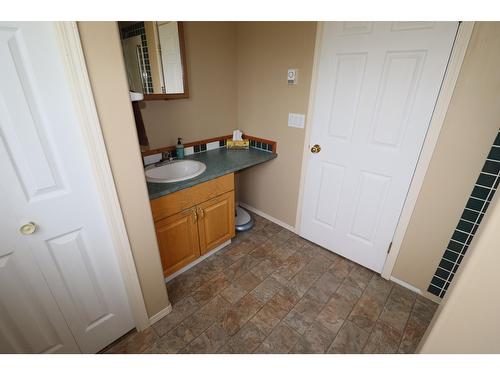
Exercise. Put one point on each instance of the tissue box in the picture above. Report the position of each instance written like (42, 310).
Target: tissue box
(238, 145)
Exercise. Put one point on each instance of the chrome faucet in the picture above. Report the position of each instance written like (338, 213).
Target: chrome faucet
(165, 157)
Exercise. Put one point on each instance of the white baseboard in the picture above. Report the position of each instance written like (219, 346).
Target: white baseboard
(200, 259)
(268, 217)
(160, 314)
(406, 285)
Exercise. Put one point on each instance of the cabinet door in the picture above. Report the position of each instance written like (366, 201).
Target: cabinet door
(216, 221)
(178, 240)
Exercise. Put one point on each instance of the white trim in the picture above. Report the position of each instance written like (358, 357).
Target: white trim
(462, 39)
(74, 61)
(309, 122)
(431, 296)
(167, 310)
(198, 260)
(266, 216)
(406, 285)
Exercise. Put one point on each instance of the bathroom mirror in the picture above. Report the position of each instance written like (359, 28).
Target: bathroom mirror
(155, 58)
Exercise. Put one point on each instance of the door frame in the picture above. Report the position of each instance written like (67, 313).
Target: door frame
(70, 46)
(457, 56)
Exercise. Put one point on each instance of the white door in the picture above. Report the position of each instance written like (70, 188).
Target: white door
(168, 34)
(376, 89)
(132, 53)
(62, 281)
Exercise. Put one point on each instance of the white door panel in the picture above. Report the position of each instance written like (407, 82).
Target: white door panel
(30, 320)
(168, 34)
(377, 86)
(50, 183)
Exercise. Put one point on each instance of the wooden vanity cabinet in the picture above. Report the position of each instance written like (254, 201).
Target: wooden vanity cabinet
(191, 222)
(216, 221)
(177, 237)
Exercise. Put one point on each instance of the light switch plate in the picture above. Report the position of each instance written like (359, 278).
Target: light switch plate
(296, 120)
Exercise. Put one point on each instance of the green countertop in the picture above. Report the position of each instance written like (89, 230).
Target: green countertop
(219, 162)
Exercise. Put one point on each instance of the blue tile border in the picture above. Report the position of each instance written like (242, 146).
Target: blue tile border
(474, 210)
(135, 30)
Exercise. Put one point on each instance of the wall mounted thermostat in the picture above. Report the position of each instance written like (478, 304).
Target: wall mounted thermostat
(292, 76)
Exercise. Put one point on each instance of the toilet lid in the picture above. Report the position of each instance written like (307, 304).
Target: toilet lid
(242, 217)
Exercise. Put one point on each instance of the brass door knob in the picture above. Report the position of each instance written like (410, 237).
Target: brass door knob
(28, 228)
(315, 149)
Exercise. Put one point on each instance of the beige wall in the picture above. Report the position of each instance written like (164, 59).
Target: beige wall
(237, 79)
(471, 123)
(211, 108)
(103, 55)
(266, 50)
(467, 321)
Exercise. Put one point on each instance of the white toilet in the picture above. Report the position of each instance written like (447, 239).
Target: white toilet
(243, 220)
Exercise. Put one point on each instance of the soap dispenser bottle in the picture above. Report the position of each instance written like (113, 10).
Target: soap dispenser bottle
(179, 149)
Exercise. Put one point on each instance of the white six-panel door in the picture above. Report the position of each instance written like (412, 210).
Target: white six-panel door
(61, 287)
(377, 85)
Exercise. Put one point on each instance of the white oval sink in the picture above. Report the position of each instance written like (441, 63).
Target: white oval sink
(178, 170)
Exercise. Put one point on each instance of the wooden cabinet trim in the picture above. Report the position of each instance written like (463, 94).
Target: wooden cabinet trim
(173, 203)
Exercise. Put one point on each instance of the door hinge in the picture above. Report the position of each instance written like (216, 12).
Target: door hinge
(389, 248)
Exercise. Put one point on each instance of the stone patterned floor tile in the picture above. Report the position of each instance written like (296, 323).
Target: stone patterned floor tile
(424, 308)
(316, 340)
(180, 311)
(240, 267)
(316, 251)
(264, 250)
(296, 241)
(248, 338)
(206, 315)
(210, 289)
(402, 295)
(248, 281)
(350, 289)
(268, 317)
(286, 298)
(360, 276)
(209, 342)
(341, 267)
(366, 312)
(303, 314)
(281, 340)
(379, 288)
(173, 341)
(292, 265)
(267, 289)
(324, 287)
(238, 314)
(271, 291)
(133, 343)
(397, 309)
(265, 268)
(284, 234)
(233, 293)
(335, 312)
(414, 331)
(350, 340)
(383, 340)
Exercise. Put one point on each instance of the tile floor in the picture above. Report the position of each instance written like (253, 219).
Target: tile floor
(271, 291)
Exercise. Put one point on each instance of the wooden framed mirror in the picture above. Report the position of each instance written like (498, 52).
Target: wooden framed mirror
(155, 58)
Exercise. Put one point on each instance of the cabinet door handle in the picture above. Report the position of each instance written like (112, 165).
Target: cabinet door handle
(202, 213)
(195, 215)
